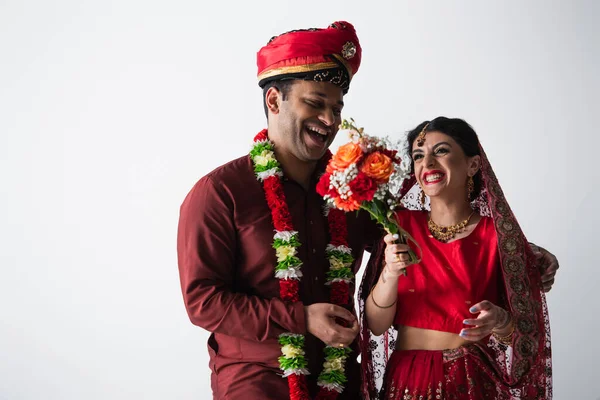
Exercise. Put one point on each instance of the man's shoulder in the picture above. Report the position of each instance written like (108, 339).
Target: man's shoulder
(229, 179)
(233, 171)
(227, 182)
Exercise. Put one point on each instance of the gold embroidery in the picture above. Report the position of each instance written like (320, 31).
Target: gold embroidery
(525, 346)
(297, 69)
(510, 245)
(517, 285)
(344, 63)
(524, 325)
(514, 265)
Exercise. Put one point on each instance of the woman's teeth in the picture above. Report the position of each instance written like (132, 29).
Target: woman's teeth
(432, 178)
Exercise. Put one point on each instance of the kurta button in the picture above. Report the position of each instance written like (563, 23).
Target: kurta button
(314, 251)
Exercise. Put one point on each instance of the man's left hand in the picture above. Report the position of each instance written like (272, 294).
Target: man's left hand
(548, 265)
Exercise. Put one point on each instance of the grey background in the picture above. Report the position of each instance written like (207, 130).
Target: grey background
(111, 110)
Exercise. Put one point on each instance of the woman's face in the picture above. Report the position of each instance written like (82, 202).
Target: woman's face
(441, 167)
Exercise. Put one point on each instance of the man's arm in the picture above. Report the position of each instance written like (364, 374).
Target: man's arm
(206, 248)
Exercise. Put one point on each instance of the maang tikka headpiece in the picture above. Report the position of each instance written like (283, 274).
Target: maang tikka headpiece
(421, 137)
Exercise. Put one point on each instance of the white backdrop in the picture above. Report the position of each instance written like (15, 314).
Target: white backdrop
(111, 110)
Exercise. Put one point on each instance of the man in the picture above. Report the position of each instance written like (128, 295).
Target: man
(226, 258)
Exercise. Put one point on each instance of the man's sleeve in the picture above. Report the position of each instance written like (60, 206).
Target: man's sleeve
(206, 249)
(373, 232)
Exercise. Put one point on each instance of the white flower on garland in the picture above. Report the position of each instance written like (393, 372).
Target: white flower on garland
(264, 158)
(336, 364)
(290, 273)
(336, 263)
(286, 236)
(341, 248)
(284, 252)
(268, 173)
(290, 351)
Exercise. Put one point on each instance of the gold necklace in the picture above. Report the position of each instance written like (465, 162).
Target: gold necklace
(445, 233)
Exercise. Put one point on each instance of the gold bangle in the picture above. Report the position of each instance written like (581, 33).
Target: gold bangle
(377, 305)
(507, 339)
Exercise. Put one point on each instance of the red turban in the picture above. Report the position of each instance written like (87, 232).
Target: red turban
(324, 55)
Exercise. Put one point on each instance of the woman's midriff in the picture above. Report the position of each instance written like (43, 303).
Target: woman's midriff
(410, 338)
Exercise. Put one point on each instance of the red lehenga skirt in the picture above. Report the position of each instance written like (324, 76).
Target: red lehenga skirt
(446, 374)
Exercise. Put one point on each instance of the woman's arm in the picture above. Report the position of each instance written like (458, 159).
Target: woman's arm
(381, 303)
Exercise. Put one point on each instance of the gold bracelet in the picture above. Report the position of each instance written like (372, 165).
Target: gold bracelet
(377, 305)
(507, 339)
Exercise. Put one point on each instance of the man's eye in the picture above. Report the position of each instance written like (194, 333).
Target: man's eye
(337, 113)
(313, 104)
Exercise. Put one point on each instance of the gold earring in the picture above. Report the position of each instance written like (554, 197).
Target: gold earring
(470, 188)
(422, 198)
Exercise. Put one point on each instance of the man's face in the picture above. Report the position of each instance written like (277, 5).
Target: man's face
(308, 119)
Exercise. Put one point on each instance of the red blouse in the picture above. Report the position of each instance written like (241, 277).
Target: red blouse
(451, 277)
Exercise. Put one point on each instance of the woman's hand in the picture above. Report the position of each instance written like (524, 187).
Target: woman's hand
(396, 256)
(491, 318)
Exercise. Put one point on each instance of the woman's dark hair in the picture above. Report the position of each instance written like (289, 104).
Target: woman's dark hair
(461, 132)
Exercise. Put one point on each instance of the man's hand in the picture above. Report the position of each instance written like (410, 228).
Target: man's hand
(548, 265)
(320, 321)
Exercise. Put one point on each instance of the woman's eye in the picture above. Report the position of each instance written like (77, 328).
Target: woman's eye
(442, 150)
(417, 157)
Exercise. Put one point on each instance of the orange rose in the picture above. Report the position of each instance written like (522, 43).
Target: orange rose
(377, 166)
(346, 205)
(346, 155)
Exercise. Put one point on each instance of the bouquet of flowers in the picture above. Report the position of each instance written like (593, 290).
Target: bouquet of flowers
(367, 174)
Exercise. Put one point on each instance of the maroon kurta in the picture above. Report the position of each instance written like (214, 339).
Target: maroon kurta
(226, 265)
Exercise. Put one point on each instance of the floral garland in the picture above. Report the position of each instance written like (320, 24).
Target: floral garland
(285, 242)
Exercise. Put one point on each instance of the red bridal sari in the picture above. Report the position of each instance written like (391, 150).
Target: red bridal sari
(482, 370)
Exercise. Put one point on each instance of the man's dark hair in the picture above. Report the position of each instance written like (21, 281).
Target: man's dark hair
(282, 86)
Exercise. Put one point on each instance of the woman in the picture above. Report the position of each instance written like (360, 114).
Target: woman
(471, 317)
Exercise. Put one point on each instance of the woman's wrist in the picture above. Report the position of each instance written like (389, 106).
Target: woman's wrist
(387, 277)
(504, 322)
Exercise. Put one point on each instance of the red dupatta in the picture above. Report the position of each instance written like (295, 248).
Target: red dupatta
(523, 370)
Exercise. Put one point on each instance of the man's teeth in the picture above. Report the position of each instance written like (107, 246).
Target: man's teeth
(318, 131)
(434, 177)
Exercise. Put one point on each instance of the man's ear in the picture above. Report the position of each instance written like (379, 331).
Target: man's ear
(273, 100)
